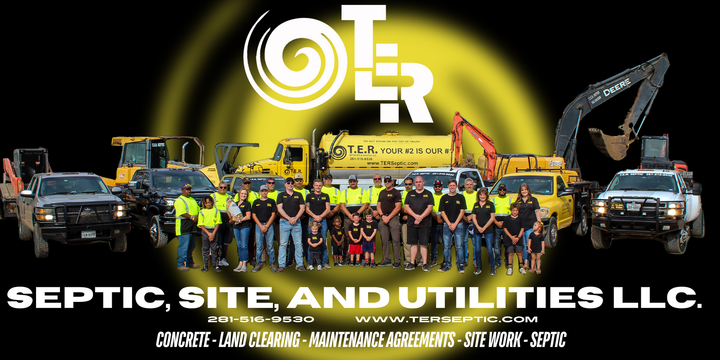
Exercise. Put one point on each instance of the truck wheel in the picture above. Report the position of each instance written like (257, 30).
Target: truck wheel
(24, 232)
(600, 239)
(41, 246)
(676, 242)
(157, 237)
(698, 226)
(581, 227)
(551, 237)
(119, 244)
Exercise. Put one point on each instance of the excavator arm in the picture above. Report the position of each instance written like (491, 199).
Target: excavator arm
(485, 141)
(650, 77)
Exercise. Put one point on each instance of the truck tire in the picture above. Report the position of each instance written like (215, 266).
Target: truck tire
(551, 237)
(119, 244)
(676, 242)
(581, 227)
(698, 226)
(41, 246)
(24, 232)
(157, 237)
(600, 239)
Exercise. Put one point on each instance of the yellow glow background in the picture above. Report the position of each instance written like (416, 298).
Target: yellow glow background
(470, 76)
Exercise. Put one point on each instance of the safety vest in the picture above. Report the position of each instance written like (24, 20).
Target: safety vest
(436, 207)
(502, 205)
(190, 208)
(372, 195)
(222, 203)
(470, 200)
(353, 197)
(209, 218)
(332, 193)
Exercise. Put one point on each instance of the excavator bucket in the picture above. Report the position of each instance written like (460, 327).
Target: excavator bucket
(614, 147)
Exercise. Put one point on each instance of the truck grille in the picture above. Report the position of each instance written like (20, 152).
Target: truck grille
(85, 214)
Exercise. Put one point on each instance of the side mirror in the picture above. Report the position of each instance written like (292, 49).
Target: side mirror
(116, 190)
(27, 193)
(566, 191)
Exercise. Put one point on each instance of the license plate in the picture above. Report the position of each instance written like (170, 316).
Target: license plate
(633, 207)
(88, 234)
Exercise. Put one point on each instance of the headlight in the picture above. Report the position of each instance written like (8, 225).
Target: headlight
(544, 213)
(675, 209)
(45, 214)
(599, 207)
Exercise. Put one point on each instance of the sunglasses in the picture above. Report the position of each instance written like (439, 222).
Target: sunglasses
(388, 181)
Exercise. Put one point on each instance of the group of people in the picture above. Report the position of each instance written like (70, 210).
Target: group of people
(414, 223)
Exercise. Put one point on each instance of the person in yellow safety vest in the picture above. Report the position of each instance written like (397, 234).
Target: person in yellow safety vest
(470, 200)
(351, 201)
(186, 215)
(502, 209)
(252, 196)
(372, 194)
(209, 221)
(221, 198)
(333, 194)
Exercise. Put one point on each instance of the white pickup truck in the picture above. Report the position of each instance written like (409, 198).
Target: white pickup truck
(649, 204)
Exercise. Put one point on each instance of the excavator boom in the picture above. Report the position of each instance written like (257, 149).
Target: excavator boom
(650, 77)
(485, 141)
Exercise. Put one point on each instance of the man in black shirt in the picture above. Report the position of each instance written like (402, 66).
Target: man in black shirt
(418, 205)
(388, 207)
(263, 214)
(452, 208)
(291, 206)
(317, 207)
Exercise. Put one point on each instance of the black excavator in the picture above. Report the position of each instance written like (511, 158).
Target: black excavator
(648, 75)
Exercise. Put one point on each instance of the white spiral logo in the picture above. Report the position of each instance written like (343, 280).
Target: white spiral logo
(321, 34)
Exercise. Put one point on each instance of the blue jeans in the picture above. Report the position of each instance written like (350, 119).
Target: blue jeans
(285, 231)
(436, 231)
(478, 240)
(268, 236)
(457, 237)
(323, 247)
(241, 238)
(498, 239)
(525, 237)
(186, 246)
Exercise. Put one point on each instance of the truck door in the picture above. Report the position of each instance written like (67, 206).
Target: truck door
(295, 161)
(565, 217)
(25, 206)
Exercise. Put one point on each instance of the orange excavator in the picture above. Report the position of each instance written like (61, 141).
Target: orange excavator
(459, 123)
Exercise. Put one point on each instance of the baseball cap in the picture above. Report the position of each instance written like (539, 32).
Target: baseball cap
(186, 186)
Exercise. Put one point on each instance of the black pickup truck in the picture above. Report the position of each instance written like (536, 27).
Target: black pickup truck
(151, 194)
(71, 208)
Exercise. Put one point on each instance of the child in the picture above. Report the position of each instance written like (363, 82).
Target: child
(355, 244)
(536, 246)
(513, 232)
(208, 221)
(369, 229)
(314, 241)
(338, 238)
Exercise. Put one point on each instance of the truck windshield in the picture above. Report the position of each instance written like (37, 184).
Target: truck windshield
(431, 176)
(540, 185)
(198, 181)
(643, 182)
(72, 185)
(278, 153)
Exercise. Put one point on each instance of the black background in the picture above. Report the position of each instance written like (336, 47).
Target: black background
(77, 74)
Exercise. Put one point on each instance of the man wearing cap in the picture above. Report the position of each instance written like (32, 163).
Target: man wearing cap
(264, 211)
(388, 208)
(291, 207)
(351, 201)
(502, 209)
(299, 188)
(186, 216)
(317, 207)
